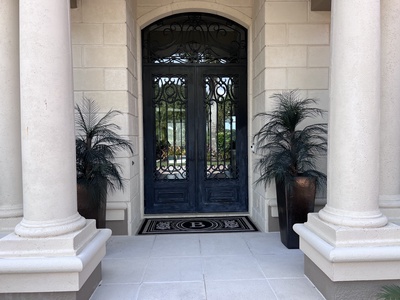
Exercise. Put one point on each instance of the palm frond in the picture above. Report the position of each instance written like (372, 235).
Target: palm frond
(285, 149)
(97, 144)
(389, 292)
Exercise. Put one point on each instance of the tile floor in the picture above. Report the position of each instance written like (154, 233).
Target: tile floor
(231, 266)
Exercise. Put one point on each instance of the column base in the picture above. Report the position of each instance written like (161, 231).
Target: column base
(50, 246)
(41, 229)
(7, 225)
(51, 265)
(83, 294)
(370, 219)
(389, 205)
(346, 254)
(9, 218)
(343, 290)
(392, 213)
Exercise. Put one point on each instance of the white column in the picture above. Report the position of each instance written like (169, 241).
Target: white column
(354, 116)
(10, 127)
(53, 249)
(349, 245)
(47, 120)
(390, 109)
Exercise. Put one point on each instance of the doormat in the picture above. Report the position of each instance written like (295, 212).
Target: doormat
(197, 225)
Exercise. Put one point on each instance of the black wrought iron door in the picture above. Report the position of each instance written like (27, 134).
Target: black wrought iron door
(195, 132)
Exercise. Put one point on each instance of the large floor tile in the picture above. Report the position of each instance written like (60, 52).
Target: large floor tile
(176, 245)
(282, 265)
(295, 289)
(225, 266)
(231, 268)
(266, 244)
(172, 291)
(239, 290)
(130, 246)
(116, 292)
(223, 244)
(162, 269)
(123, 270)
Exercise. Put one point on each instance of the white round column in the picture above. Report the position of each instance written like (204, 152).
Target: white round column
(390, 105)
(354, 116)
(47, 120)
(10, 127)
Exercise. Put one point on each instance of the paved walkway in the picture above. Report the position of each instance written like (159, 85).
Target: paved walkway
(232, 266)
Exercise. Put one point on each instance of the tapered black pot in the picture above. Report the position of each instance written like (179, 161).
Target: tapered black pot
(86, 210)
(296, 198)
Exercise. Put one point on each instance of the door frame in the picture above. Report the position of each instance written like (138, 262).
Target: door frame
(228, 13)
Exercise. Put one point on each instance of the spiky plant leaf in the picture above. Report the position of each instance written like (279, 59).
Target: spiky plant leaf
(287, 150)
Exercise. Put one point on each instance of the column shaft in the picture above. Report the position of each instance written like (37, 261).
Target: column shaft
(10, 127)
(47, 120)
(390, 106)
(53, 251)
(350, 247)
(353, 156)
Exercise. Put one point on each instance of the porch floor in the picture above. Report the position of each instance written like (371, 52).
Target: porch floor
(203, 266)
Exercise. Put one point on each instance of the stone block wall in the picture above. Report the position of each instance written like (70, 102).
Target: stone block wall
(135, 207)
(291, 50)
(288, 49)
(104, 60)
(168, 6)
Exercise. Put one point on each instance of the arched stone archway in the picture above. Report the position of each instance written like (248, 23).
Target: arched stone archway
(195, 85)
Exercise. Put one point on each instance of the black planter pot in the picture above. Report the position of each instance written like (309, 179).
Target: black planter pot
(89, 212)
(296, 198)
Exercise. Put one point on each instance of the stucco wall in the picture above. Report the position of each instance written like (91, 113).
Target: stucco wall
(104, 60)
(290, 51)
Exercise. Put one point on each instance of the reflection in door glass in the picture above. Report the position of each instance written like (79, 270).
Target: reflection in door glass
(220, 109)
(170, 105)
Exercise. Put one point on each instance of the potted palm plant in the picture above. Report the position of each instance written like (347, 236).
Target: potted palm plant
(289, 156)
(96, 146)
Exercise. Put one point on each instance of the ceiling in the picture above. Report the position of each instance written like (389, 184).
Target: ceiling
(316, 5)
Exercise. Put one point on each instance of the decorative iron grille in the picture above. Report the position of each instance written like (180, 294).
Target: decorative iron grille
(194, 38)
(170, 107)
(220, 105)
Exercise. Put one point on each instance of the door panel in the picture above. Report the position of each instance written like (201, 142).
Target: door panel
(169, 177)
(195, 139)
(222, 177)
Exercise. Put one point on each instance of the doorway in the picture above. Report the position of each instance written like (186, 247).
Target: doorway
(195, 115)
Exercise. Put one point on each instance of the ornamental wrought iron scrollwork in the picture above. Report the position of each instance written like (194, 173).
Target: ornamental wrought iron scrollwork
(221, 106)
(170, 109)
(194, 38)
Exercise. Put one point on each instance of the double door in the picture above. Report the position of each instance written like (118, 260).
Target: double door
(195, 138)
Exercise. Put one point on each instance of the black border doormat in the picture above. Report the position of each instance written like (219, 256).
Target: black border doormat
(197, 225)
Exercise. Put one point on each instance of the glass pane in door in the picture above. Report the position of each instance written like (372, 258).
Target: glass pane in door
(170, 105)
(220, 106)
